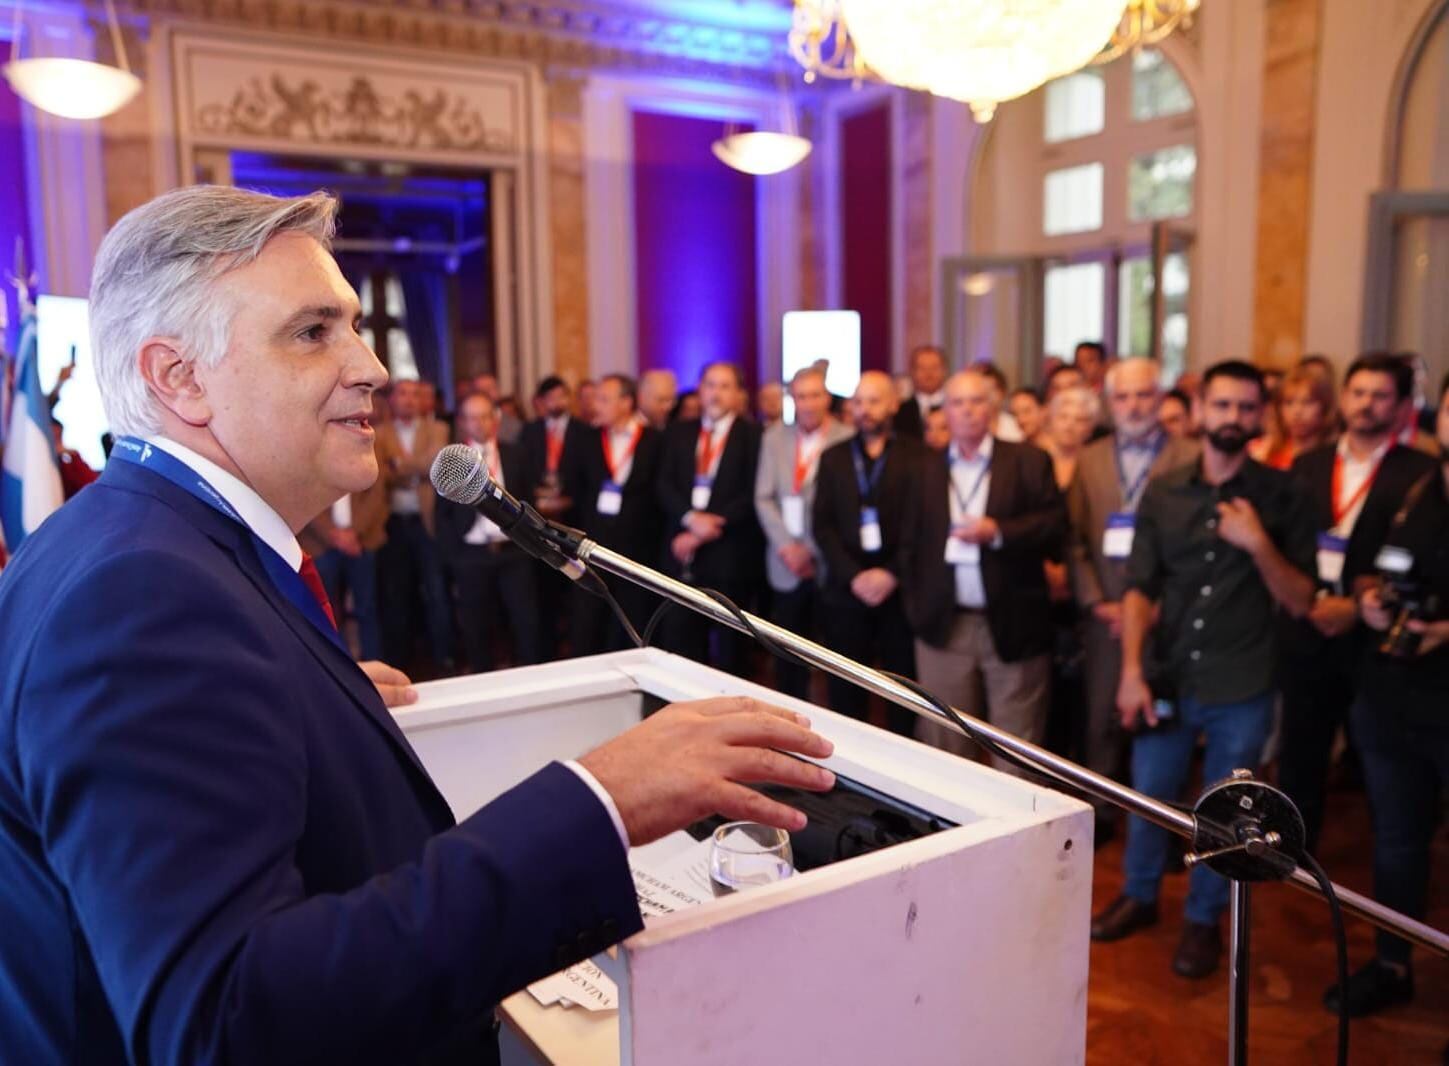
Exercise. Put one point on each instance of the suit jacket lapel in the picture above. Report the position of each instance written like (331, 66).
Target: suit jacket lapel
(238, 542)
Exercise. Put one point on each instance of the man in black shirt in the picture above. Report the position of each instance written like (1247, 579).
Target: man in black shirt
(1219, 546)
(1401, 722)
(862, 493)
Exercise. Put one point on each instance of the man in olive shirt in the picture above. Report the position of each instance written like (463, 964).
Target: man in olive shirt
(1219, 546)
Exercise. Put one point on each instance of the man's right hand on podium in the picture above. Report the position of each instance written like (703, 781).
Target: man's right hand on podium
(691, 760)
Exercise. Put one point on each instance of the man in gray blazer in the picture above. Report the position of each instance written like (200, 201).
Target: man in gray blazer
(1112, 473)
(784, 496)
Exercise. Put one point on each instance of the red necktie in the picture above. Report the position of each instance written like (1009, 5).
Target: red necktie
(313, 581)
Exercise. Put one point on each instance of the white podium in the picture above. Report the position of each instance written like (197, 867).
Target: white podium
(966, 945)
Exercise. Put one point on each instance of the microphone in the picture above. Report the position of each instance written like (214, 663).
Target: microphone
(459, 474)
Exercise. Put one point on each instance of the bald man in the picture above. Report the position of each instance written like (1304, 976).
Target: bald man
(657, 392)
(862, 490)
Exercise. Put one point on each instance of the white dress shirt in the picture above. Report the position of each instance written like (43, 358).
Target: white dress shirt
(718, 431)
(485, 530)
(1353, 473)
(621, 454)
(970, 591)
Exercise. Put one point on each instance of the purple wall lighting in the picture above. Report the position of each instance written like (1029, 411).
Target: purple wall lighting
(14, 202)
(694, 250)
(865, 201)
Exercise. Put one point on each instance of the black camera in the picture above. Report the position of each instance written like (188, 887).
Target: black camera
(1406, 600)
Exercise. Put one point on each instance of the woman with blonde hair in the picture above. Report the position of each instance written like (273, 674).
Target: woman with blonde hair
(1306, 418)
(1071, 418)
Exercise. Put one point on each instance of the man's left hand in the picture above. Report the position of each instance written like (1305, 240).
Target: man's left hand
(983, 530)
(394, 686)
(1333, 616)
(1239, 525)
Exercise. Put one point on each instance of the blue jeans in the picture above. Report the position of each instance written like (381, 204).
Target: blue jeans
(342, 573)
(1236, 733)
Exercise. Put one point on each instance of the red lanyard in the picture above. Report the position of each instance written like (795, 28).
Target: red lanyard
(707, 453)
(555, 443)
(803, 461)
(1362, 491)
(606, 436)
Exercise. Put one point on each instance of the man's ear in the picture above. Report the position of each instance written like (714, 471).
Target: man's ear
(171, 379)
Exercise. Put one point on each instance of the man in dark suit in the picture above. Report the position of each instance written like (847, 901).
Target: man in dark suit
(862, 492)
(612, 483)
(706, 490)
(1353, 489)
(928, 379)
(215, 842)
(551, 444)
(495, 580)
(976, 539)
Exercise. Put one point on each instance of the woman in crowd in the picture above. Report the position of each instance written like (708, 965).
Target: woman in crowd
(1305, 411)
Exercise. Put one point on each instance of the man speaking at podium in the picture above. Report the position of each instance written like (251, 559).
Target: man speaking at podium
(215, 843)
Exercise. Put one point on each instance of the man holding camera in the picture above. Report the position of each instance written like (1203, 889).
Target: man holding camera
(1399, 719)
(1353, 488)
(1219, 546)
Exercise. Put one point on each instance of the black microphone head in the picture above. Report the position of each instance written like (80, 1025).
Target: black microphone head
(459, 474)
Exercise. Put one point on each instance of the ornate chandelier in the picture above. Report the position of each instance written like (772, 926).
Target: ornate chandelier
(981, 52)
(1146, 22)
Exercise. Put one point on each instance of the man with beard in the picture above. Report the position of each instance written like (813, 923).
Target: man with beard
(1220, 545)
(1400, 725)
(1353, 489)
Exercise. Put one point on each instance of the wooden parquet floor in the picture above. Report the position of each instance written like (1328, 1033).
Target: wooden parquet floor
(1140, 1013)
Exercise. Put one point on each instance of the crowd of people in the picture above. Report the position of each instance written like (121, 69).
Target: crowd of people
(1253, 564)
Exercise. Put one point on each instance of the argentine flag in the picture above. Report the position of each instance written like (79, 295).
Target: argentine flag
(30, 482)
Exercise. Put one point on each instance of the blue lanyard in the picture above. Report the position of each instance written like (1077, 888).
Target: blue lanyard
(1130, 494)
(287, 581)
(965, 502)
(867, 485)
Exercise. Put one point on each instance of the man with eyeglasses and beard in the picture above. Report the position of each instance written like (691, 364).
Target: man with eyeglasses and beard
(1220, 546)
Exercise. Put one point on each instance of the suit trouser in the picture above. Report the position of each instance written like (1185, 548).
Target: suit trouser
(796, 611)
(869, 634)
(593, 628)
(342, 573)
(687, 633)
(493, 582)
(1317, 693)
(1104, 744)
(408, 565)
(1017, 693)
(1405, 753)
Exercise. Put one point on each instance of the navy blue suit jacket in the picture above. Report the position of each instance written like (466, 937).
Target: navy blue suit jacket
(216, 845)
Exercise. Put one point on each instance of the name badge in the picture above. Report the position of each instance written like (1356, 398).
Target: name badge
(793, 509)
(611, 498)
(870, 529)
(1331, 549)
(962, 553)
(1117, 536)
(699, 497)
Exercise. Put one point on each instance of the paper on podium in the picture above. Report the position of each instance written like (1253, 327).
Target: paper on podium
(582, 985)
(671, 874)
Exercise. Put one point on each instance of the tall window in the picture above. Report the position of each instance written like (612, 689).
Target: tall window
(1118, 155)
(384, 324)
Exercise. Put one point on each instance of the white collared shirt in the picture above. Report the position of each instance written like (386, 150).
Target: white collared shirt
(404, 500)
(809, 446)
(1353, 473)
(485, 530)
(620, 453)
(718, 431)
(929, 401)
(255, 512)
(970, 589)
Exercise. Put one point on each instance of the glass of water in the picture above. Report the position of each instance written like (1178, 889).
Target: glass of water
(745, 855)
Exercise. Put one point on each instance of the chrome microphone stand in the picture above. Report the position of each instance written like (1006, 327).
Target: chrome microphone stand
(1243, 829)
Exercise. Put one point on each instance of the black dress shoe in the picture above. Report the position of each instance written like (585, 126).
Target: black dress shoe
(1198, 951)
(1123, 917)
(1373, 988)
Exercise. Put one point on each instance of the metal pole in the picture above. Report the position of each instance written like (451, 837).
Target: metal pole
(1078, 777)
(1240, 917)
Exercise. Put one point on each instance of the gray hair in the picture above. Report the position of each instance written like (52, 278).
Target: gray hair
(154, 277)
(1136, 360)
